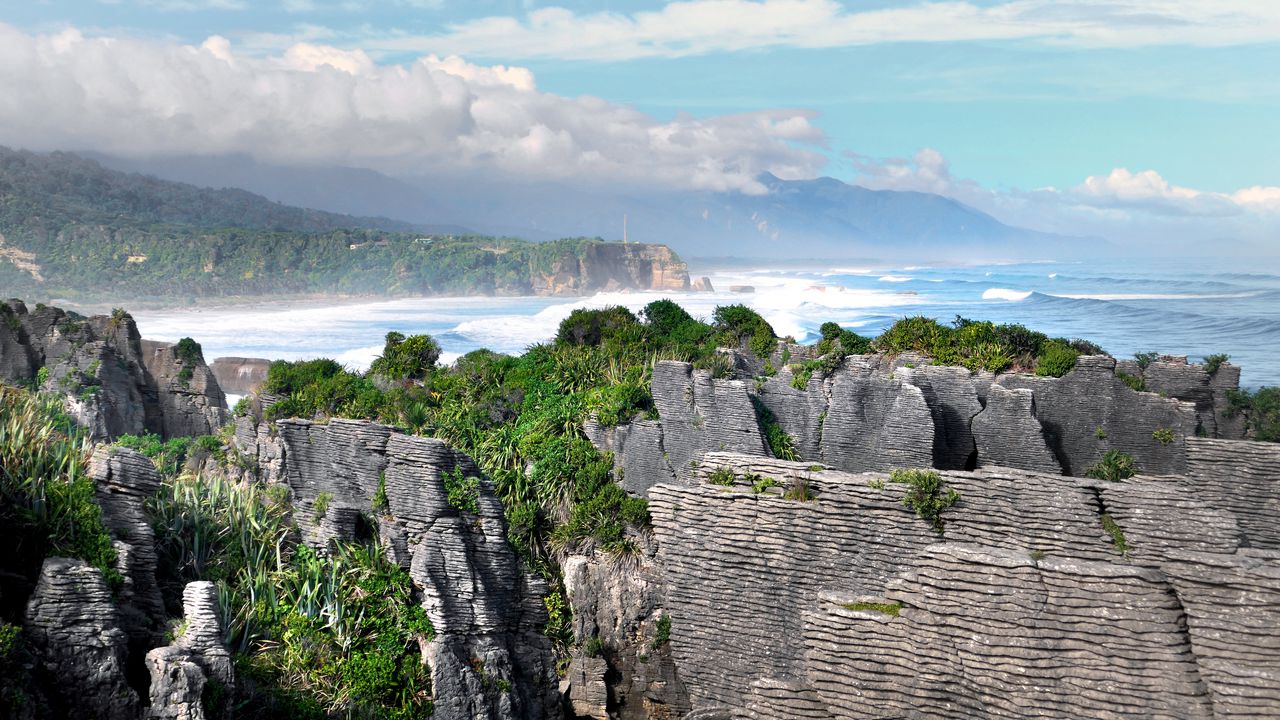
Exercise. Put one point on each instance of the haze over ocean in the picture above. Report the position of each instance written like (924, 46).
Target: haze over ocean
(1178, 307)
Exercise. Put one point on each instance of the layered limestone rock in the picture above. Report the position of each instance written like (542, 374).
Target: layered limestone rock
(73, 627)
(240, 376)
(110, 384)
(701, 414)
(1242, 478)
(489, 658)
(607, 267)
(1173, 377)
(197, 658)
(617, 612)
(191, 403)
(125, 479)
(1007, 432)
(1089, 411)
(984, 632)
(1079, 597)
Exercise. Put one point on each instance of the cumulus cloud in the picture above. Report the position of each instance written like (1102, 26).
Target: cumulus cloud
(694, 27)
(1125, 205)
(318, 104)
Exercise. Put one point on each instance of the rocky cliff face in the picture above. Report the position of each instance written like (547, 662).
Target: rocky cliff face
(240, 376)
(877, 413)
(113, 382)
(490, 658)
(1075, 597)
(612, 266)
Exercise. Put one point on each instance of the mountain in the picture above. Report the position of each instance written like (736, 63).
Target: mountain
(795, 219)
(73, 229)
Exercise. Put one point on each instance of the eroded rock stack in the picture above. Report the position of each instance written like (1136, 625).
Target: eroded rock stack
(875, 413)
(111, 384)
(489, 658)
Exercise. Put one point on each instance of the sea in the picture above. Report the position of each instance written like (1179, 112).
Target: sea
(1174, 306)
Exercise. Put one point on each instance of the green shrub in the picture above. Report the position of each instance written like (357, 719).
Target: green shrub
(1146, 358)
(662, 631)
(1117, 534)
(47, 499)
(891, 609)
(167, 455)
(782, 445)
(843, 342)
(321, 504)
(1163, 435)
(406, 358)
(463, 491)
(593, 327)
(1134, 382)
(1113, 467)
(1213, 363)
(1056, 359)
(739, 324)
(925, 494)
(1261, 411)
(724, 477)
(798, 489)
(380, 502)
(189, 355)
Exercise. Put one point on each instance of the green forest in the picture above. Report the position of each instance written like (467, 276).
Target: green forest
(71, 229)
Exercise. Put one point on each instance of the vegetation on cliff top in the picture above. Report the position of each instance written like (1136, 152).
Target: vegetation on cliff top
(95, 233)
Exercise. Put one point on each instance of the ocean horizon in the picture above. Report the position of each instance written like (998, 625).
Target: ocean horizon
(1175, 307)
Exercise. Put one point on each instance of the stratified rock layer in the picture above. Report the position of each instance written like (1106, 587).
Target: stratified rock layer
(72, 624)
(111, 384)
(1076, 597)
(489, 658)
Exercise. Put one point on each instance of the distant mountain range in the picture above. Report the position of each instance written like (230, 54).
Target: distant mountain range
(796, 219)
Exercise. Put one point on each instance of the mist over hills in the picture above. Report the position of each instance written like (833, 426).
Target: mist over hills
(796, 219)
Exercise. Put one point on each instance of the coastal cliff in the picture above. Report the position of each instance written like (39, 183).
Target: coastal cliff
(111, 381)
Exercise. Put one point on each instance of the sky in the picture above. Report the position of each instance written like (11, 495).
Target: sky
(1112, 117)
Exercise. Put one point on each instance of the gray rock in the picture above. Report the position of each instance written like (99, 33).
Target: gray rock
(953, 403)
(74, 629)
(1072, 409)
(125, 480)
(181, 671)
(874, 421)
(489, 658)
(1007, 432)
(188, 407)
(700, 414)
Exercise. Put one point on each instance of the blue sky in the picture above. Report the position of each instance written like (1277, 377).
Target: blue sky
(1167, 107)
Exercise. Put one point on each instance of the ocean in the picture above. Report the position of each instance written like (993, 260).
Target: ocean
(1177, 307)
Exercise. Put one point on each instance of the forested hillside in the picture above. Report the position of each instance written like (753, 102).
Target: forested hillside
(71, 229)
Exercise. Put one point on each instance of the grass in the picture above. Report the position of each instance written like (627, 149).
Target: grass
(47, 499)
(890, 609)
(724, 477)
(925, 494)
(1117, 534)
(1113, 467)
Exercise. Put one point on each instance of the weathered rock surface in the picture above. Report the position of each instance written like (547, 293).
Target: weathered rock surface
(489, 658)
(701, 414)
(111, 385)
(197, 657)
(240, 376)
(1174, 377)
(1007, 432)
(606, 267)
(990, 633)
(125, 479)
(1089, 411)
(1242, 478)
(191, 403)
(617, 602)
(72, 624)
(1023, 599)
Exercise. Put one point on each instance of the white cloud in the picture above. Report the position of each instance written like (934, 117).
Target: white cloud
(319, 104)
(694, 27)
(1124, 205)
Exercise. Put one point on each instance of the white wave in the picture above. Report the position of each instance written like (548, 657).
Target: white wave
(896, 278)
(1053, 276)
(1158, 296)
(359, 358)
(1005, 294)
